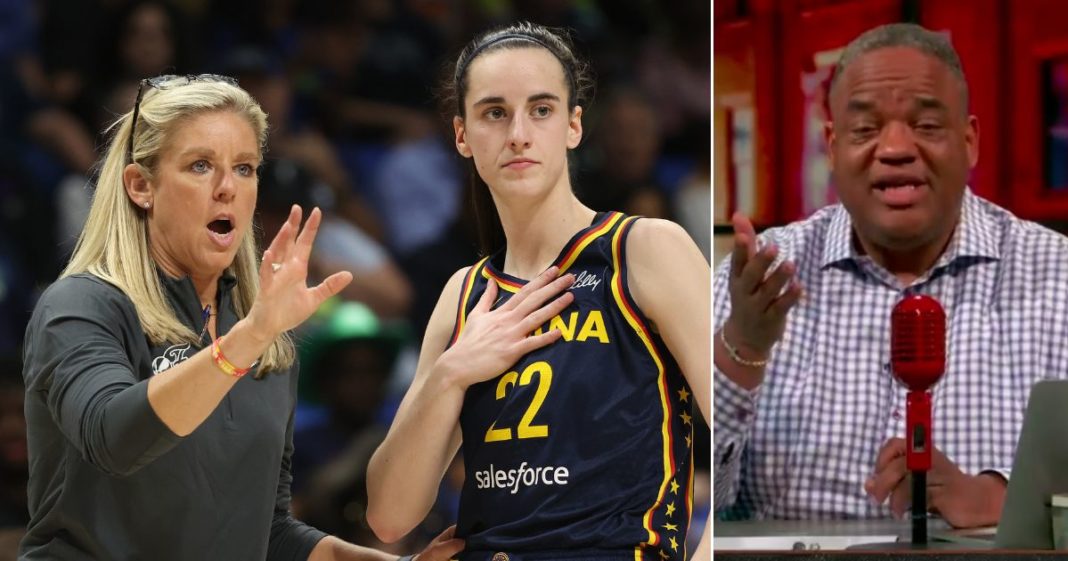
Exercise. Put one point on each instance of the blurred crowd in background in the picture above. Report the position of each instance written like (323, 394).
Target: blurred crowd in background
(355, 129)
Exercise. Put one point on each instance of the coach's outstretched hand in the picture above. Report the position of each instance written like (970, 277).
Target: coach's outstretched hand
(285, 300)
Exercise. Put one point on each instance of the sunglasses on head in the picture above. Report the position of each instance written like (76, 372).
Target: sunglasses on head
(162, 83)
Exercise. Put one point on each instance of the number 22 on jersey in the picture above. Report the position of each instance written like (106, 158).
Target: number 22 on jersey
(509, 380)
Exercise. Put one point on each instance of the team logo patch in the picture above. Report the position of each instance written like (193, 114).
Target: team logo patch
(170, 357)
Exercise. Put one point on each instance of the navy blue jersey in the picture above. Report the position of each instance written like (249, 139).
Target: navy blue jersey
(582, 449)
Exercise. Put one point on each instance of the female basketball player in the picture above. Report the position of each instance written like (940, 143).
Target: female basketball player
(569, 362)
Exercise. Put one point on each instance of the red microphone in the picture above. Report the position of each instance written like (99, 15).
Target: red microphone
(918, 359)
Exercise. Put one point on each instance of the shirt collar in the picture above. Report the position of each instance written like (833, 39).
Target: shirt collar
(839, 240)
(976, 235)
(184, 299)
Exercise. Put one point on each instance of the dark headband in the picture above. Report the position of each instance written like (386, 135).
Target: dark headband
(462, 67)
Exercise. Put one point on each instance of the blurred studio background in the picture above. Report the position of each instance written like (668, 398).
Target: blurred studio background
(773, 62)
(349, 87)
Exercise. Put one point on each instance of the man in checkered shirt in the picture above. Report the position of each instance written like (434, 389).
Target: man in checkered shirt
(807, 416)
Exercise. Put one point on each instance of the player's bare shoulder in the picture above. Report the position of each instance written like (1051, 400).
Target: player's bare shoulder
(655, 247)
(652, 237)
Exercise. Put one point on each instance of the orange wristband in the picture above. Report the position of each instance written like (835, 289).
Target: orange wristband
(225, 365)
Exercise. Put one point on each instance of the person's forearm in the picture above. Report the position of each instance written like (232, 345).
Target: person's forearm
(994, 489)
(184, 396)
(61, 132)
(406, 470)
(334, 549)
(385, 289)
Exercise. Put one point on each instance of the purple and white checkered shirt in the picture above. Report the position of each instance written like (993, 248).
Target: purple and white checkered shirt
(802, 444)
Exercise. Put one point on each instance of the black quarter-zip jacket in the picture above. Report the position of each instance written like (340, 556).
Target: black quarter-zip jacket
(108, 480)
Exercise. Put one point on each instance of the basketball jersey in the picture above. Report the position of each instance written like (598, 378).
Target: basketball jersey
(583, 448)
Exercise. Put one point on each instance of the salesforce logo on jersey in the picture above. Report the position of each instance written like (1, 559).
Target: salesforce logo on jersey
(523, 476)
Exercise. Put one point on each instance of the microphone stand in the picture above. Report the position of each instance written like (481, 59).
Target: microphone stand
(919, 507)
(918, 458)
